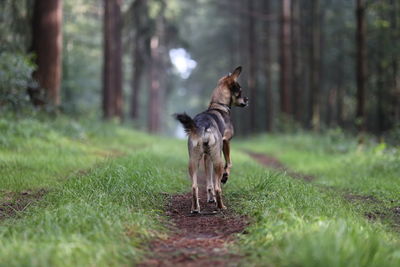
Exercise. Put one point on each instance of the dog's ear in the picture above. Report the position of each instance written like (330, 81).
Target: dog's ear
(235, 74)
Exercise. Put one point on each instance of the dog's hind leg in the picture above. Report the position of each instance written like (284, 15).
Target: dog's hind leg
(218, 172)
(228, 163)
(193, 168)
(209, 178)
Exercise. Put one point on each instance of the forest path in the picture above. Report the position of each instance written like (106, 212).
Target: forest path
(376, 207)
(205, 239)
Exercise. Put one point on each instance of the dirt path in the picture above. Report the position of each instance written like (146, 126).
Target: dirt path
(272, 162)
(197, 240)
(377, 209)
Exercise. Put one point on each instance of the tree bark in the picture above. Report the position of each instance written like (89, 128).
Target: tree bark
(47, 45)
(285, 58)
(157, 81)
(315, 60)
(137, 58)
(361, 67)
(268, 73)
(112, 66)
(252, 75)
(297, 62)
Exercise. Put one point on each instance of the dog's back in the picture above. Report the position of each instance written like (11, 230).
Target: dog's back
(205, 131)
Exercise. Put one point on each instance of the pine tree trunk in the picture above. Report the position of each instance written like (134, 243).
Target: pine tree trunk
(47, 45)
(285, 58)
(297, 63)
(315, 60)
(361, 68)
(112, 66)
(252, 75)
(137, 59)
(157, 81)
(268, 73)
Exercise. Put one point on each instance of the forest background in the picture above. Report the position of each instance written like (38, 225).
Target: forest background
(316, 65)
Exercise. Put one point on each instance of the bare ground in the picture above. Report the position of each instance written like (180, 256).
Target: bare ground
(197, 240)
(14, 203)
(378, 209)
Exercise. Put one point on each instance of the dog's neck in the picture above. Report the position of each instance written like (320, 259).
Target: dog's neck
(221, 99)
(220, 106)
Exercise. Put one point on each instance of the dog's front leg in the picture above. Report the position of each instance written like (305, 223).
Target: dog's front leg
(193, 168)
(228, 163)
(209, 178)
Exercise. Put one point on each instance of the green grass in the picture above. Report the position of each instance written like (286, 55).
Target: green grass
(98, 217)
(105, 215)
(294, 223)
(336, 161)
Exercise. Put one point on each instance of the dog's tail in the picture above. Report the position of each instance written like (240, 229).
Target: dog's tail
(188, 123)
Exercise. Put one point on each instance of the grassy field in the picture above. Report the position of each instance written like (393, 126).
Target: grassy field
(106, 189)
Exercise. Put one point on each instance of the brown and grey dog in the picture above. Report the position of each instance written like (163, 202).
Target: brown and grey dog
(209, 135)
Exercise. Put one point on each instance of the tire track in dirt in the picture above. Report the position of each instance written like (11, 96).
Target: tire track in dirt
(197, 240)
(377, 206)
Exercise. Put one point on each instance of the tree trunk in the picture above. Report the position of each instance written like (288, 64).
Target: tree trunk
(297, 62)
(112, 66)
(286, 58)
(361, 67)
(395, 77)
(137, 58)
(268, 73)
(157, 83)
(315, 60)
(252, 75)
(47, 45)
(340, 84)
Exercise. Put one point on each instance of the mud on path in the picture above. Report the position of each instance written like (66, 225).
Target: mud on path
(197, 240)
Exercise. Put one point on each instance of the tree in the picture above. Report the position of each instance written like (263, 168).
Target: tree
(285, 57)
(139, 53)
(315, 65)
(252, 60)
(112, 66)
(268, 72)
(361, 66)
(297, 91)
(157, 75)
(47, 46)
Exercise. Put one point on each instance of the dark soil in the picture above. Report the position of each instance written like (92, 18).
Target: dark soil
(272, 162)
(197, 240)
(15, 203)
(380, 211)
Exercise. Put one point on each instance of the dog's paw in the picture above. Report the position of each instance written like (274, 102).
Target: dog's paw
(195, 211)
(224, 178)
(211, 200)
(223, 207)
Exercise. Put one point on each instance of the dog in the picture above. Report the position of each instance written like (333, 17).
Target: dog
(209, 134)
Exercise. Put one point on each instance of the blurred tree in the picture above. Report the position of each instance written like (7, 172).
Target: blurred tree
(296, 48)
(269, 101)
(141, 24)
(112, 66)
(314, 65)
(252, 63)
(361, 64)
(285, 58)
(47, 46)
(157, 72)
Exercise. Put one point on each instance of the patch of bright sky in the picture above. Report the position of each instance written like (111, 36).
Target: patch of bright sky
(183, 63)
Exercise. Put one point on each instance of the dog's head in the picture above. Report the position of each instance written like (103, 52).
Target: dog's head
(233, 90)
